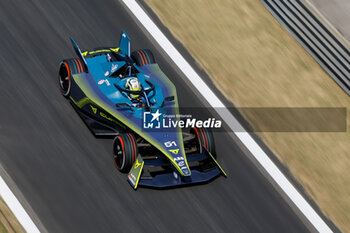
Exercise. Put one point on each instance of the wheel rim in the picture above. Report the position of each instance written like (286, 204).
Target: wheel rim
(118, 154)
(65, 82)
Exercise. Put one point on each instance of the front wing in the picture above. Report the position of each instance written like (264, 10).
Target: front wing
(159, 173)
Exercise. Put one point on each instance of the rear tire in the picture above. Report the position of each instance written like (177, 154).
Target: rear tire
(204, 140)
(64, 79)
(143, 57)
(125, 151)
(69, 67)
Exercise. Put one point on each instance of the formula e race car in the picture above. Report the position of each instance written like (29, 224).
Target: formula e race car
(125, 95)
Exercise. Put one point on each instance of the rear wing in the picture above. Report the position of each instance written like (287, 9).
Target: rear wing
(124, 44)
(124, 47)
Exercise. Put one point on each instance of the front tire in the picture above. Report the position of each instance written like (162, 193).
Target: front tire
(204, 140)
(125, 151)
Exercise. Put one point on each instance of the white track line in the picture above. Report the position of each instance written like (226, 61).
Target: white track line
(237, 128)
(16, 208)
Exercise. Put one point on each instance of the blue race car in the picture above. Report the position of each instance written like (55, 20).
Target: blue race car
(125, 95)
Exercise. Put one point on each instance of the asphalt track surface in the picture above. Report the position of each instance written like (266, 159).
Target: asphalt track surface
(67, 175)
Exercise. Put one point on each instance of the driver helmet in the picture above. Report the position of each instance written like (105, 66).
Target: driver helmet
(133, 84)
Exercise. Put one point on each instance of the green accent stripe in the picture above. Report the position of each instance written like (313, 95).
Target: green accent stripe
(81, 103)
(149, 61)
(208, 136)
(75, 68)
(222, 170)
(138, 177)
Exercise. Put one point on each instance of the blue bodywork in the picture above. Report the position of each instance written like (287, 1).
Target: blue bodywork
(99, 92)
